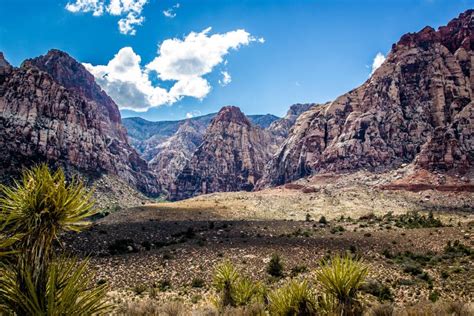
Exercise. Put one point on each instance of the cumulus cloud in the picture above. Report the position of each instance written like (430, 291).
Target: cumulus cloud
(183, 61)
(378, 61)
(193, 114)
(171, 12)
(126, 83)
(226, 78)
(130, 11)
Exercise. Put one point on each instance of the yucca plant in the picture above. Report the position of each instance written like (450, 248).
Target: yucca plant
(294, 298)
(246, 291)
(341, 277)
(69, 291)
(33, 212)
(225, 279)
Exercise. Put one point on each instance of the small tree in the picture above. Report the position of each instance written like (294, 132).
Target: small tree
(33, 213)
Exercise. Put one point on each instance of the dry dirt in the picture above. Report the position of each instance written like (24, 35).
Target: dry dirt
(143, 247)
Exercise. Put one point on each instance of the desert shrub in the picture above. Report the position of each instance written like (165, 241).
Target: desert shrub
(294, 298)
(275, 266)
(457, 249)
(337, 229)
(121, 246)
(341, 278)
(416, 220)
(141, 308)
(377, 289)
(298, 269)
(197, 282)
(139, 289)
(34, 279)
(382, 310)
(323, 220)
(164, 285)
(434, 296)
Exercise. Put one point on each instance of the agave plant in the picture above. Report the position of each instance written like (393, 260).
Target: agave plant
(33, 212)
(341, 277)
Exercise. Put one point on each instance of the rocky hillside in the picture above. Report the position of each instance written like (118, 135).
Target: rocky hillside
(231, 157)
(51, 110)
(416, 108)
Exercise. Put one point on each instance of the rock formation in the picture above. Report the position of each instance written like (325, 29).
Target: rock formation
(51, 110)
(231, 157)
(417, 107)
(173, 154)
(281, 128)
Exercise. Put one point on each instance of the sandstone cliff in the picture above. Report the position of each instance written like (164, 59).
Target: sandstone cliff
(417, 107)
(231, 157)
(51, 110)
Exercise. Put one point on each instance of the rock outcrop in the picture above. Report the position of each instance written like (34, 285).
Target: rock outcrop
(173, 154)
(281, 127)
(51, 110)
(417, 107)
(231, 157)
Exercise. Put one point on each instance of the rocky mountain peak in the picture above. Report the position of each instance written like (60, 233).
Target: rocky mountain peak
(72, 75)
(52, 111)
(231, 114)
(231, 157)
(416, 108)
(4, 64)
(458, 33)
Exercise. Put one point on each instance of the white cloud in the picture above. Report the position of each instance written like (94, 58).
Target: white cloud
(129, 10)
(197, 54)
(126, 83)
(226, 78)
(193, 114)
(171, 12)
(378, 61)
(94, 6)
(184, 61)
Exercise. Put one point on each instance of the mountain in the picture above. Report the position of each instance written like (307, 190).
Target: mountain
(51, 110)
(147, 136)
(416, 108)
(231, 157)
(281, 127)
(174, 153)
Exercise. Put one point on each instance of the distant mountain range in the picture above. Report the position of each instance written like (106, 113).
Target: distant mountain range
(417, 109)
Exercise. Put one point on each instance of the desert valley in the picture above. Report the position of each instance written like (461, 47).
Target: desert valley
(382, 175)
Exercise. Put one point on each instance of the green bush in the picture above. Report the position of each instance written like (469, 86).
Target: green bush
(294, 298)
(275, 266)
(416, 220)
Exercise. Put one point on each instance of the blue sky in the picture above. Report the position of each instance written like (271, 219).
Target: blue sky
(273, 52)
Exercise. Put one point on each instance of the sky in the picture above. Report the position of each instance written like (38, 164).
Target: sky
(167, 60)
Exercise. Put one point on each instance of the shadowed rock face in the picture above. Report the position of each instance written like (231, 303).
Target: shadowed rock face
(417, 107)
(231, 157)
(51, 110)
